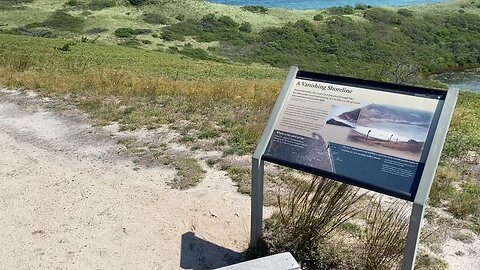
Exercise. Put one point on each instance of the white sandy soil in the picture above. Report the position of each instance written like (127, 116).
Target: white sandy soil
(69, 199)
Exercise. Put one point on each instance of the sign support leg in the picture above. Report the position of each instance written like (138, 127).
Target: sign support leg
(416, 220)
(257, 201)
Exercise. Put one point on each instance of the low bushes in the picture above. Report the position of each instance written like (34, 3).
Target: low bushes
(211, 28)
(129, 32)
(256, 9)
(308, 215)
(63, 21)
(155, 18)
(343, 10)
(101, 4)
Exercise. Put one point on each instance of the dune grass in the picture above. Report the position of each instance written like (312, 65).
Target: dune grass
(160, 88)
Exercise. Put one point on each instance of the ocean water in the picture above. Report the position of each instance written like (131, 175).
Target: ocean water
(314, 4)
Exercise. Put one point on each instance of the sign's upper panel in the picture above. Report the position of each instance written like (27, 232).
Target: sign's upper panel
(371, 134)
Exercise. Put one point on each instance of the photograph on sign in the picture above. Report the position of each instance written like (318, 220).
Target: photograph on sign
(371, 136)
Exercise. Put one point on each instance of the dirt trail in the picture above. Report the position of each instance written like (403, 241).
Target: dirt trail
(69, 199)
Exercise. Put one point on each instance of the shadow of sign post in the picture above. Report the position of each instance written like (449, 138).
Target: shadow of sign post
(200, 254)
(379, 136)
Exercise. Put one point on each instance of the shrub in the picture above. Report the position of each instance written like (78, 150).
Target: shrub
(124, 32)
(186, 28)
(65, 47)
(318, 17)
(210, 28)
(63, 21)
(385, 234)
(256, 9)
(138, 2)
(361, 6)
(101, 4)
(377, 15)
(171, 36)
(155, 18)
(141, 31)
(227, 22)
(406, 12)
(131, 42)
(20, 62)
(34, 25)
(180, 17)
(309, 214)
(467, 202)
(197, 53)
(345, 10)
(96, 30)
(304, 26)
(245, 27)
(72, 3)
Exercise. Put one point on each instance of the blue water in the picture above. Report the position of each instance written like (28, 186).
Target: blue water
(314, 4)
(466, 80)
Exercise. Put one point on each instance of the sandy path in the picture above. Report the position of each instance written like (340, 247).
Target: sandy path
(70, 200)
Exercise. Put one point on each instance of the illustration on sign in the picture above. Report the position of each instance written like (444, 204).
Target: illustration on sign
(357, 133)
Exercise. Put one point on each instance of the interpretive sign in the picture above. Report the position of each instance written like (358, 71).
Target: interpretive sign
(380, 136)
(363, 134)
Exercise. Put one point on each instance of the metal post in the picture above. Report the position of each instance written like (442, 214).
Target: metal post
(431, 163)
(413, 235)
(257, 201)
(258, 164)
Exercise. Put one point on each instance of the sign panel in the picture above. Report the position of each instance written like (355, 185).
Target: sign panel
(370, 134)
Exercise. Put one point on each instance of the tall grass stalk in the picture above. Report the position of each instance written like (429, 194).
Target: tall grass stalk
(385, 234)
(312, 211)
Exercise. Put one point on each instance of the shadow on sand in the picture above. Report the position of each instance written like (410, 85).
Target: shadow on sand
(199, 254)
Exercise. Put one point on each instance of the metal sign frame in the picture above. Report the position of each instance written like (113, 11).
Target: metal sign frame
(433, 150)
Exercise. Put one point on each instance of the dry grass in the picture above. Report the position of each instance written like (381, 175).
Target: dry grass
(385, 234)
(156, 88)
(307, 217)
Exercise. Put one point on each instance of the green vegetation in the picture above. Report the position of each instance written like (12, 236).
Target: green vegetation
(129, 32)
(256, 9)
(212, 28)
(318, 17)
(426, 262)
(189, 172)
(307, 217)
(101, 4)
(467, 202)
(342, 10)
(13, 4)
(464, 131)
(62, 21)
(383, 40)
(385, 235)
(155, 18)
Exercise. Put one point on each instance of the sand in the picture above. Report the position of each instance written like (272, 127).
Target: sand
(69, 199)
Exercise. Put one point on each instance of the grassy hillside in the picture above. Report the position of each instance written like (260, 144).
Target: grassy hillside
(118, 14)
(145, 88)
